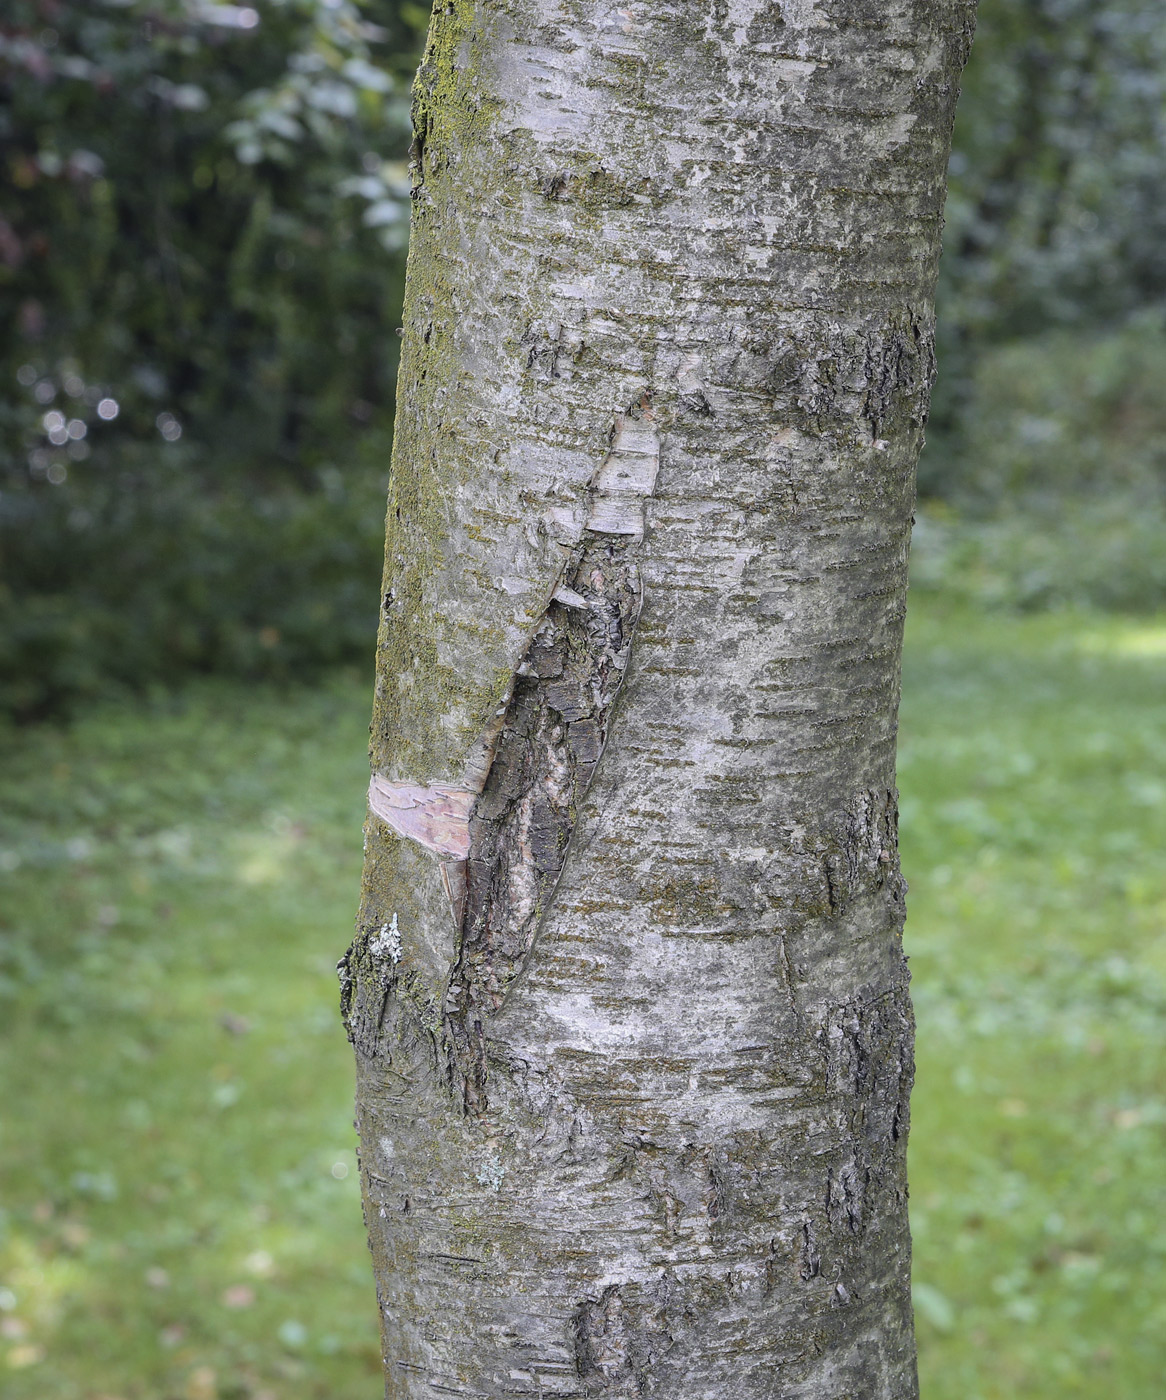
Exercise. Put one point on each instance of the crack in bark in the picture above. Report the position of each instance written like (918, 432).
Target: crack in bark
(552, 734)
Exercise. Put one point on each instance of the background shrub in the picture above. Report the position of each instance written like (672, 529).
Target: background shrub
(201, 246)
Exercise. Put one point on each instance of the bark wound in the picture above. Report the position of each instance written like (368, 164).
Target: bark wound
(502, 836)
(552, 735)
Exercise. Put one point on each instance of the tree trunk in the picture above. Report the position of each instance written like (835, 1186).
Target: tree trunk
(628, 995)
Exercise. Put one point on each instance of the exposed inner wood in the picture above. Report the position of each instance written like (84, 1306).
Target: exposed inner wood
(435, 817)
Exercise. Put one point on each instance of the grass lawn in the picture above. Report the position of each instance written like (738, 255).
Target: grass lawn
(1033, 774)
(179, 1214)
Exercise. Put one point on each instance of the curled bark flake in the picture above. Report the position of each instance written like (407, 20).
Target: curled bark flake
(627, 476)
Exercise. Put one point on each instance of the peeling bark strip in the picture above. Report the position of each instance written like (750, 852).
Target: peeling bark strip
(437, 818)
(633, 1034)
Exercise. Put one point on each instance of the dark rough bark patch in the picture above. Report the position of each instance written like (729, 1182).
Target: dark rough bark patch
(551, 740)
(842, 858)
(870, 1067)
(810, 1260)
(821, 382)
(600, 1350)
(620, 1334)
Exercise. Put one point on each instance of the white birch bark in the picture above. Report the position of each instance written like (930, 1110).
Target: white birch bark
(627, 994)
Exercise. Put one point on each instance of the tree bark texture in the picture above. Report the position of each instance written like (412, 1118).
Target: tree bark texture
(627, 993)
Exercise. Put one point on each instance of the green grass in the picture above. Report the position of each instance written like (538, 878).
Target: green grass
(181, 1214)
(1033, 773)
(180, 1218)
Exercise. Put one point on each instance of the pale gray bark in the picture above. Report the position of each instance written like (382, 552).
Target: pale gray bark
(627, 993)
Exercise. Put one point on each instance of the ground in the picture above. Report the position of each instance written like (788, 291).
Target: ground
(180, 1218)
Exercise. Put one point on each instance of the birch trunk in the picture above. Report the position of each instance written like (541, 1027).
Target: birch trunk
(627, 994)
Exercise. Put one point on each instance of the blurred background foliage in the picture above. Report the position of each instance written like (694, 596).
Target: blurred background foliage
(1045, 476)
(202, 227)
